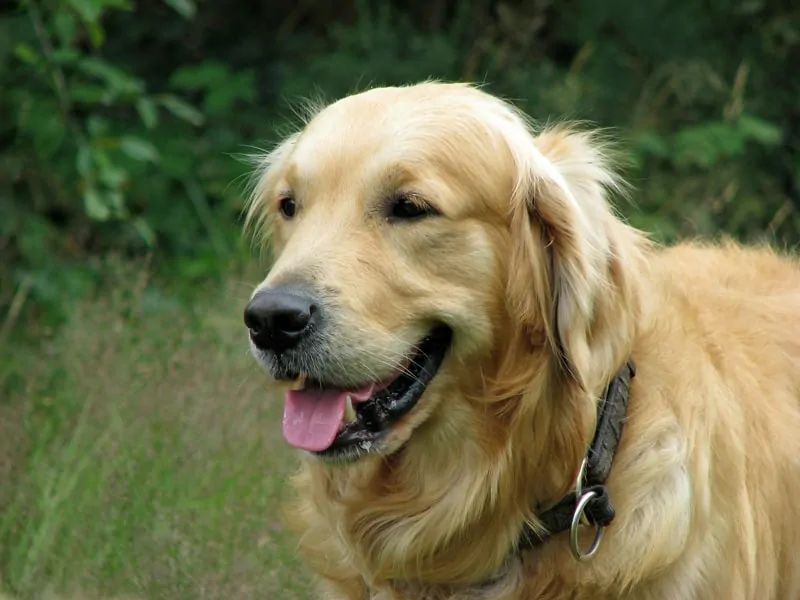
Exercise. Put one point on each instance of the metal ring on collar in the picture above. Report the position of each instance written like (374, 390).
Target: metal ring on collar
(579, 488)
(579, 479)
(573, 530)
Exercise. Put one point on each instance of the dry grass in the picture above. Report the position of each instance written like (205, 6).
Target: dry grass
(141, 457)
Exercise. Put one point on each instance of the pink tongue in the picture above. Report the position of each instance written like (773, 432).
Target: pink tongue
(312, 416)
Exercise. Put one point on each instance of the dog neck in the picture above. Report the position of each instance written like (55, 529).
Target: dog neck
(590, 500)
(419, 515)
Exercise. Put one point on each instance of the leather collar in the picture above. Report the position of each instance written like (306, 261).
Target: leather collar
(590, 500)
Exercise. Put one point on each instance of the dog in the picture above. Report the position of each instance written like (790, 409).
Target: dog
(463, 324)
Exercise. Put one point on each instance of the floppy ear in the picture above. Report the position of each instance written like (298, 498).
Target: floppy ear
(575, 265)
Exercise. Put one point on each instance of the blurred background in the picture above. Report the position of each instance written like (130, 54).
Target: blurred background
(140, 454)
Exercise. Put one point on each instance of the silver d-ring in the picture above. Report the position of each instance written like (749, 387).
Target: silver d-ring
(573, 530)
(579, 487)
(579, 479)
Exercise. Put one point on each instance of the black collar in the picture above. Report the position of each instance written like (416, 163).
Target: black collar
(590, 492)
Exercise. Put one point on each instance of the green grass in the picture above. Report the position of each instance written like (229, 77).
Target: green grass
(141, 457)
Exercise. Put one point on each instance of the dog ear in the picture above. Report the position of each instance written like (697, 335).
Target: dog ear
(574, 263)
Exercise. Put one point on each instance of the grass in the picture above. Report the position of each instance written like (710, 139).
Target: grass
(141, 457)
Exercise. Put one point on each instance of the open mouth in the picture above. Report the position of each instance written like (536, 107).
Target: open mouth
(331, 422)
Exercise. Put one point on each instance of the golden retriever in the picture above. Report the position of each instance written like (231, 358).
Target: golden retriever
(451, 295)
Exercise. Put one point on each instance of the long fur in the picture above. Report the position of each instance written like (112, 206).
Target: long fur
(548, 293)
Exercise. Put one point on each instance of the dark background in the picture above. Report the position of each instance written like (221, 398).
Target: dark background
(122, 122)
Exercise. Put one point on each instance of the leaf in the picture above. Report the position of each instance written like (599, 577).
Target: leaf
(103, 163)
(221, 98)
(138, 149)
(89, 94)
(182, 110)
(89, 10)
(208, 74)
(84, 162)
(650, 142)
(43, 122)
(116, 78)
(707, 144)
(97, 126)
(26, 54)
(49, 135)
(144, 230)
(760, 130)
(185, 8)
(65, 26)
(65, 56)
(96, 34)
(94, 206)
(148, 112)
(112, 176)
(117, 201)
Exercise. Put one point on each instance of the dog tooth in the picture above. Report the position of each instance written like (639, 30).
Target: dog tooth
(349, 411)
(297, 384)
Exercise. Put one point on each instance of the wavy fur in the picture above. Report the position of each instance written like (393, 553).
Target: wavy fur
(548, 293)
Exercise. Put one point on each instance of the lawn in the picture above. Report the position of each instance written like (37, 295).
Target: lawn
(141, 457)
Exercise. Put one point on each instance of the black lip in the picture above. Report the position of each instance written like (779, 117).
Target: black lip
(375, 417)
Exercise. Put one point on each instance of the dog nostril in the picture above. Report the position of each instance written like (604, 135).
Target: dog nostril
(253, 319)
(294, 320)
(279, 319)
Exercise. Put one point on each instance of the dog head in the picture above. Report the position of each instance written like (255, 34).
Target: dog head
(433, 255)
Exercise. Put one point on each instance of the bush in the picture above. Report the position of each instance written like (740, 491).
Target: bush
(125, 118)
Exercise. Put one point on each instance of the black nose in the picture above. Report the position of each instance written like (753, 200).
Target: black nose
(279, 319)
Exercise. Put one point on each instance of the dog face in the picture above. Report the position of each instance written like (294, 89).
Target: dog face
(421, 235)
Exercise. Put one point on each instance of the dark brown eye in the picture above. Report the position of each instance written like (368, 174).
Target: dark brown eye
(288, 207)
(407, 208)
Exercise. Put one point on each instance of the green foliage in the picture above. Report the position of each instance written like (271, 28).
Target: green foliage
(97, 160)
(125, 117)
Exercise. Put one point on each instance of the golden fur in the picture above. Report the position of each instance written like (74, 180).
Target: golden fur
(548, 293)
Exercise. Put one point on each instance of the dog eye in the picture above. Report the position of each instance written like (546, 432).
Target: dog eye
(288, 207)
(406, 208)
